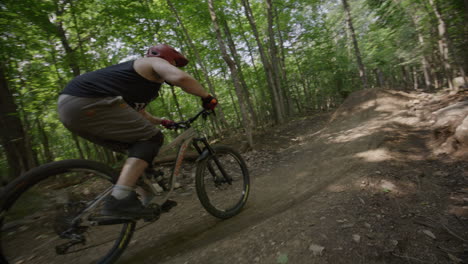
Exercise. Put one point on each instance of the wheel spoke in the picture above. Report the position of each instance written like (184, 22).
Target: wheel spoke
(222, 183)
(48, 222)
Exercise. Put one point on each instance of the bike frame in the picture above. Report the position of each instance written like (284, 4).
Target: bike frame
(182, 142)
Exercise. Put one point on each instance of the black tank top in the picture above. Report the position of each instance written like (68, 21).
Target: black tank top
(116, 80)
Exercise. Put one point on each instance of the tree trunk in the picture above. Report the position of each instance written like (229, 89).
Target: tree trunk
(12, 135)
(219, 108)
(274, 97)
(235, 55)
(61, 33)
(239, 120)
(78, 146)
(415, 77)
(27, 127)
(49, 157)
(445, 47)
(379, 76)
(406, 79)
(274, 61)
(176, 101)
(260, 104)
(246, 121)
(425, 66)
(443, 44)
(78, 35)
(357, 53)
(282, 64)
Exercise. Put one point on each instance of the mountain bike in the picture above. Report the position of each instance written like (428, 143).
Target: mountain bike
(51, 214)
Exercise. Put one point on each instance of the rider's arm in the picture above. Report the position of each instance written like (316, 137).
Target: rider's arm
(177, 77)
(151, 118)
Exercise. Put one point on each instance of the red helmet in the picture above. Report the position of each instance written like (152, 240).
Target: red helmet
(168, 53)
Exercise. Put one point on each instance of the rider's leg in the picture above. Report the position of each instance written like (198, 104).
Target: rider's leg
(110, 122)
(123, 200)
(131, 171)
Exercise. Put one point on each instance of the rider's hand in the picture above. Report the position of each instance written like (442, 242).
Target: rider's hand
(209, 102)
(167, 123)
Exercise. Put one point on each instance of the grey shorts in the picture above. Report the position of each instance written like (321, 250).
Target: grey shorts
(107, 121)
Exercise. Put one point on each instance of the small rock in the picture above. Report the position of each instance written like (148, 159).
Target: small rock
(441, 174)
(316, 249)
(454, 259)
(357, 238)
(41, 237)
(367, 225)
(257, 259)
(429, 233)
(347, 225)
(296, 243)
(460, 211)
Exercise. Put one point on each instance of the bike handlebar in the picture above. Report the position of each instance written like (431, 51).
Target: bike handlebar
(187, 123)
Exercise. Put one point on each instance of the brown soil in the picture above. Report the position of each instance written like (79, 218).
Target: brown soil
(364, 184)
(360, 185)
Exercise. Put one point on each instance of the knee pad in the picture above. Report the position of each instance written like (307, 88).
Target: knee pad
(146, 149)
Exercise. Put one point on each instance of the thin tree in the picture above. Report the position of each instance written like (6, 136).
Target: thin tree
(276, 104)
(445, 46)
(275, 61)
(12, 135)
(426, 67)
(246, 121)
(235, 55)
(206, 76)
(357, 53)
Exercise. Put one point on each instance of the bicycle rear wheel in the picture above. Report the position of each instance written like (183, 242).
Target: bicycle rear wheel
(45, 216)
(223, 183)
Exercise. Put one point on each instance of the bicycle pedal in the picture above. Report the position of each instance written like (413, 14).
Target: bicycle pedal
(168, 205)
(156, 213)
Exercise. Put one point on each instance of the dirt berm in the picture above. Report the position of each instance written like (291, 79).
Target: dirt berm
(360, 185)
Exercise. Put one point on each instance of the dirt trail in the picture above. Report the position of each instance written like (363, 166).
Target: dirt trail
(358, 186)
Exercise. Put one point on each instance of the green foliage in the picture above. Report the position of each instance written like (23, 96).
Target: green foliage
(44, 43)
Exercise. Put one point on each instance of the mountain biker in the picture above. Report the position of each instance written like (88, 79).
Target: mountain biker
(107, 107)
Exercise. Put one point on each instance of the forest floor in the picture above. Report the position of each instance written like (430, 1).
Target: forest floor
(360, 185)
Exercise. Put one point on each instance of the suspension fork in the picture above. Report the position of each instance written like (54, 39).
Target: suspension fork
(211, 152)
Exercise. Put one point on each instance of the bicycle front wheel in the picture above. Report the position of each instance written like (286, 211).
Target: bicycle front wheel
(46, 216)
(222, 182)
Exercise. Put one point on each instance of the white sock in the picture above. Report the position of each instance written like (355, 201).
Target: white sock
(121, 191)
